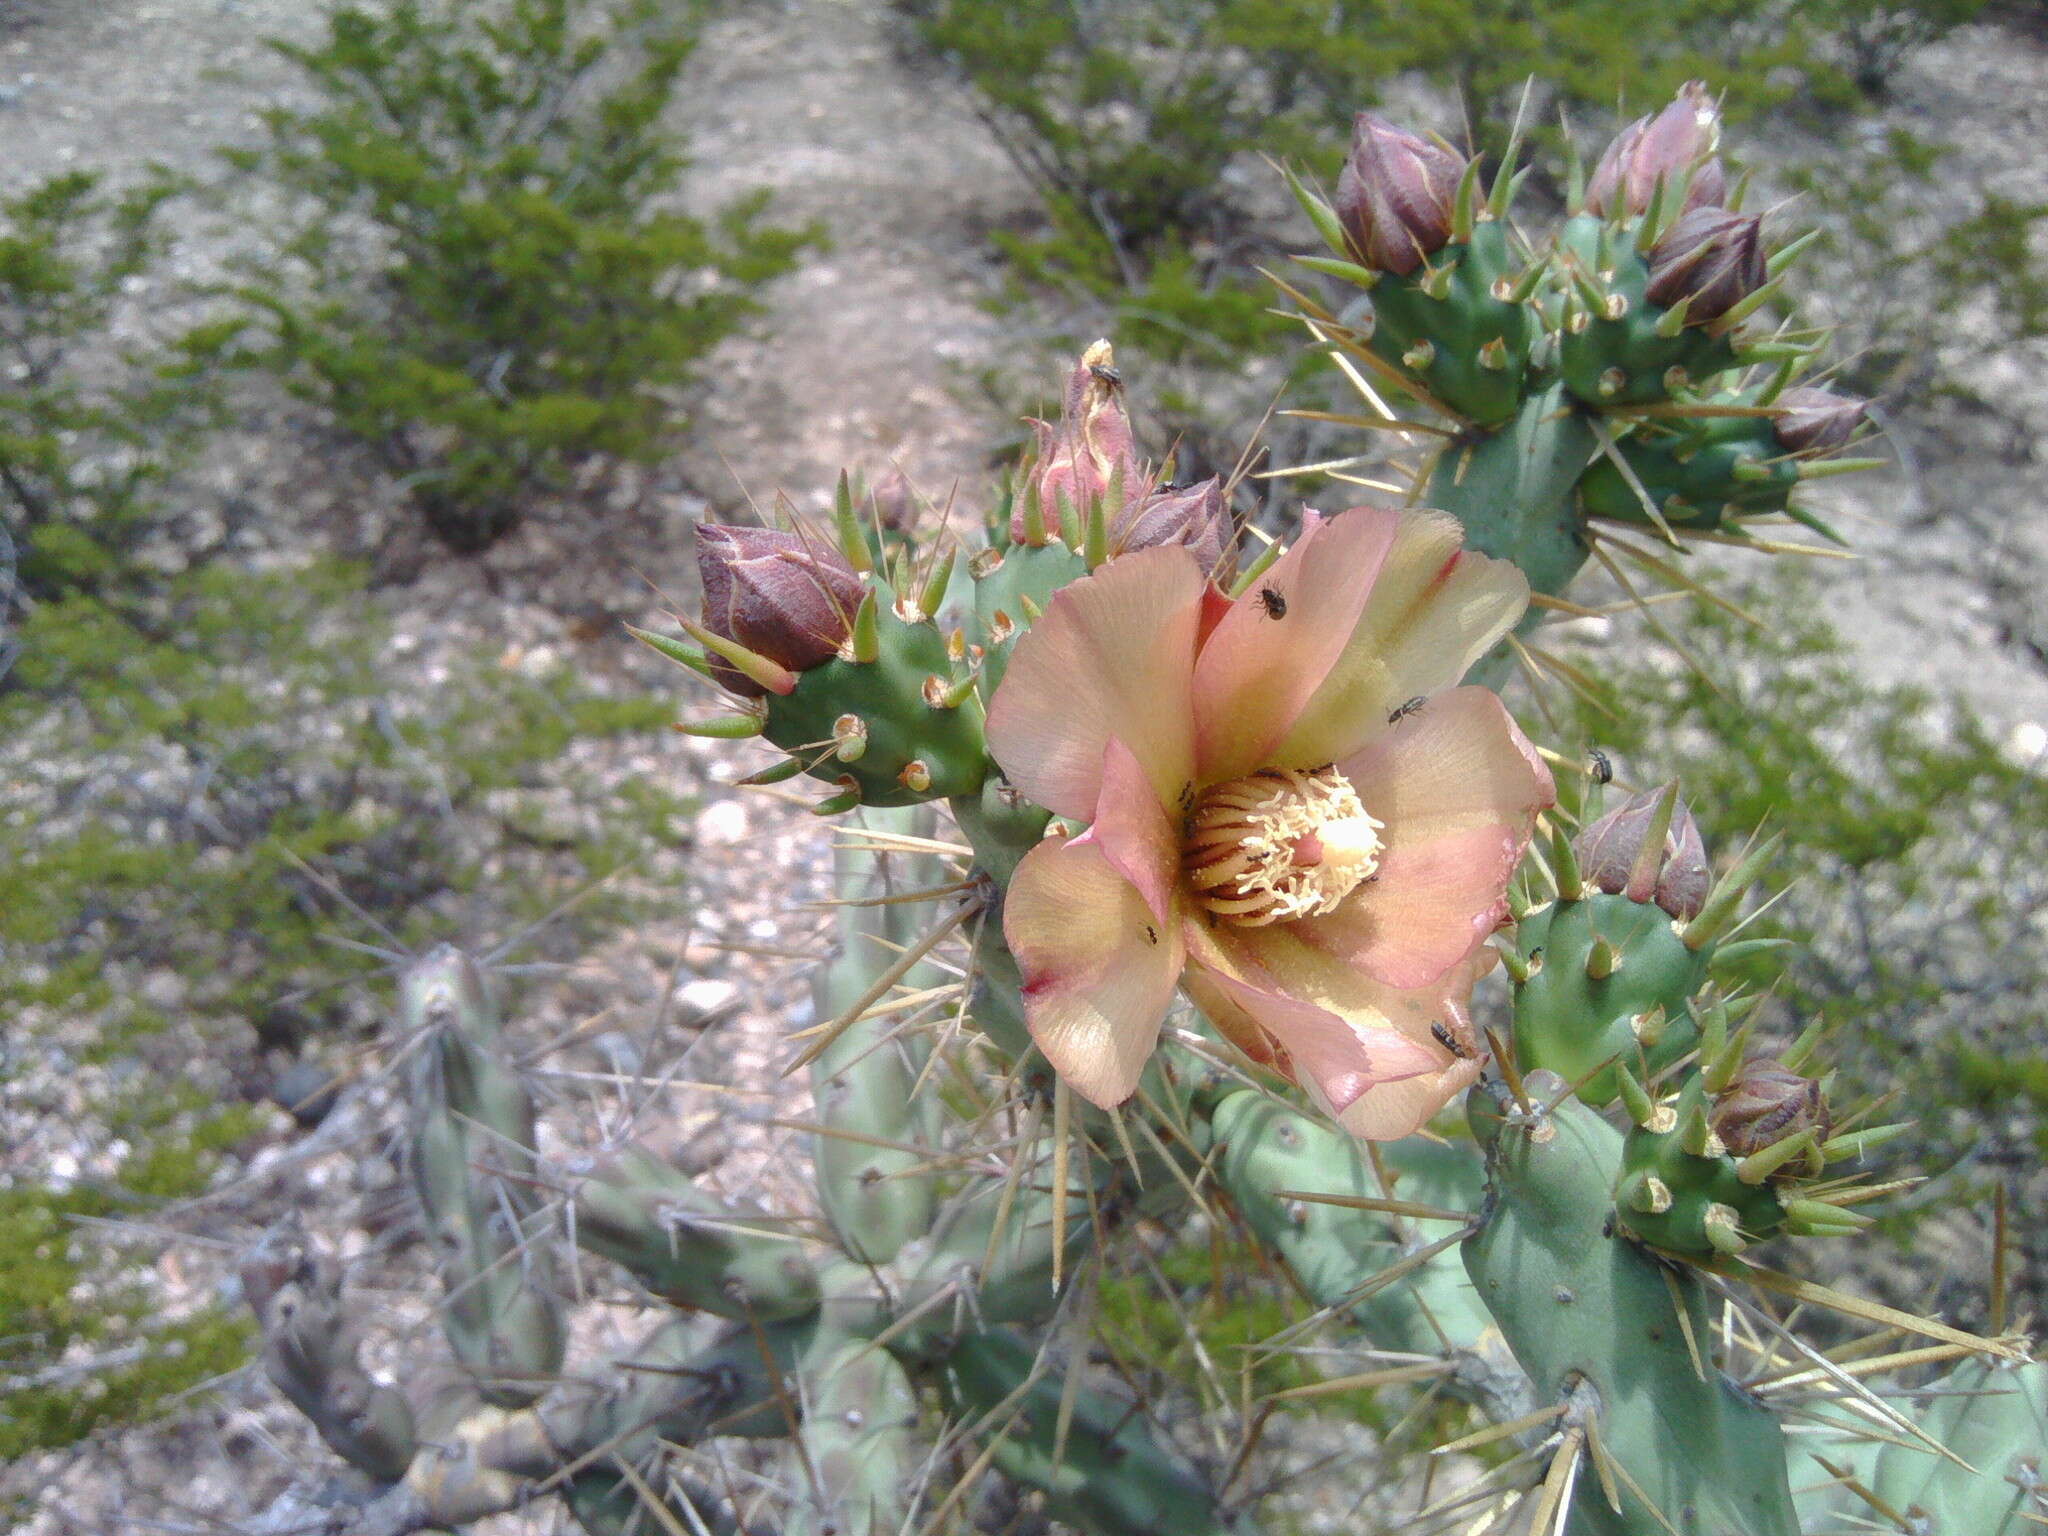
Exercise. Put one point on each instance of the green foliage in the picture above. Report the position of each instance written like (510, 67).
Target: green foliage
(1911, 873)
(479, 279)
(82, 449)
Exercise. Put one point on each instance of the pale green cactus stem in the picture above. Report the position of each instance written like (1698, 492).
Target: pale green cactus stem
(1613, 1339)
(874, 1184)
(472, 1156)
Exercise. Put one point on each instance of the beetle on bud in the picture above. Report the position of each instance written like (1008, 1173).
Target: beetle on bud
(1817, 420)
(1765, 1104)
(1711, 259)
(1676, 143)
(1624, 854)
(1089, 451)
(1396, 196)
(782, 596)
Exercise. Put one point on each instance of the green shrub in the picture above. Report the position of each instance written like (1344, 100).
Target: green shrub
(1911, 882)
(478, 278)
(84, 449)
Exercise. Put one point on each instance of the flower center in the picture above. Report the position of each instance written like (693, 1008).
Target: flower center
(1277, 845)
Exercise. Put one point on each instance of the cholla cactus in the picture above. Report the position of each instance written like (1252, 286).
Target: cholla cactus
(1276, 789)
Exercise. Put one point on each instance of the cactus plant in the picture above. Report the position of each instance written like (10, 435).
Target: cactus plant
(1281, 785)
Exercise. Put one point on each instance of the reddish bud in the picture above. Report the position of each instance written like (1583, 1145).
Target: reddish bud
(1612, 855)
(1678, 142)
(894, 502)
(779, 594)
(1765, 1104)
(1395, 196)
(1711, 258)
(1090, 448)
(1818, 420)
(1193, 517)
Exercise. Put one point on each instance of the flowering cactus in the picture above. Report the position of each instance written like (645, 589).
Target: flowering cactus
(1287, 796)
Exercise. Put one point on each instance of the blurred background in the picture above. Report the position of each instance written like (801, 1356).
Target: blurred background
(363, 369)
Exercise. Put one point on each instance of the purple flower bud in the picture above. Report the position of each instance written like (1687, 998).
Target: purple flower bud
(1678, 141)
(1611, 856)
(1710, 256)
(894, 501)
(1193, 517)
(1818, 420)
(1765, 1104)
(1395, 196)
(787, 597)
(1078, 460)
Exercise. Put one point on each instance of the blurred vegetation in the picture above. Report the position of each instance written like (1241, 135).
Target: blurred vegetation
(1913, 884)
(480, 274)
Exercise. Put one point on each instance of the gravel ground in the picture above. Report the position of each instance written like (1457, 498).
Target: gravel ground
(859, 363)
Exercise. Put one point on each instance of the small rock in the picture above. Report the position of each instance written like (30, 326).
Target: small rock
(699, 1002)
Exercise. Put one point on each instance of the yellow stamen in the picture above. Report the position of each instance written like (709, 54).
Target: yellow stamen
(1279, 844)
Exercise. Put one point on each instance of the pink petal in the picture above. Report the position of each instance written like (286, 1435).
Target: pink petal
(1134, 832)
(1458, 788)
(1112, 655)
(1435, 610)
(1390, 1111)
(1343, 1036)
(1098, 969)
(1256, 671)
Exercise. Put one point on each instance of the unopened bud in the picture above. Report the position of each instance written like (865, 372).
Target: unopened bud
(1613, 855)
(1193, 517)
(1712, 259)
(1817, 420)
(1678, 142)
(1765, 1104)
(1396, 195)
(779, 594)
(1090, 449)
(894, 502)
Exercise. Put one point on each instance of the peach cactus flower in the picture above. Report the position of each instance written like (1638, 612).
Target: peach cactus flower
(1276, 825)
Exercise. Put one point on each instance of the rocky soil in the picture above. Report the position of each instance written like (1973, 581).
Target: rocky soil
(862, 360)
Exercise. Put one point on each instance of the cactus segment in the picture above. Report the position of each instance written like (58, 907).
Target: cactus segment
(1010, 586)
(1587, 1312)
(473, 1168)
(1109, 1476)
(1617, 347)
(1698, 474)
(1268, 1147)
(1708, 1207)
(860, 1414)
(1994, 1416)
(1609, 984)
(690, 1248)
(874, 1194)
(914, 751)
(1447, 324)
(309, 1353)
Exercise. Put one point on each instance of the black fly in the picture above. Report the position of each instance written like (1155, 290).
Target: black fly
(1274, 604)
(1406, 710)
(1603, 770)
(1107, 375)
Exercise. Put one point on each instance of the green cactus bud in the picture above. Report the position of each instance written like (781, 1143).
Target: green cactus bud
(690, 1248)
(1698, 475)
(1625, 345)
(1610, 982)
(1708, 1207)
(1449, 325)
